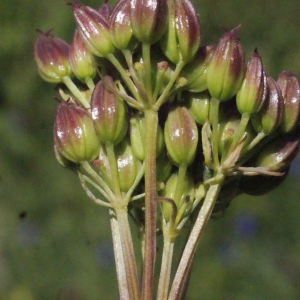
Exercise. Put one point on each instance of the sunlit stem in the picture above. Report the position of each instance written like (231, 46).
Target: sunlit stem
(75, 91)
(182, 273)
(147, 67)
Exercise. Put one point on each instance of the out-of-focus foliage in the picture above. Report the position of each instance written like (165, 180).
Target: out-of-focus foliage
(56, 244)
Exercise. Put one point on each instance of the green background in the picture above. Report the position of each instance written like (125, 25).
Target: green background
(56, 244)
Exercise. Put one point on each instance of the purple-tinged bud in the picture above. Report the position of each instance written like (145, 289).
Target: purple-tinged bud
(187, 187)
(63, 161)
(148, 19)
(105, 11)
(120, 26)
(227, 67)
(278, 155)
(269, 118)
(290, 89)
(196, 71)
(181, 40)
(52, 57)
(108, 112)
(250, 96)
(74, 133)
(81, 59)
(181, 136)
(94, 29)
(198, 105)
(138, 137)
(188, 29)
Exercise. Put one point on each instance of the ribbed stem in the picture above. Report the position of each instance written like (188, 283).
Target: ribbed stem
(151, 120)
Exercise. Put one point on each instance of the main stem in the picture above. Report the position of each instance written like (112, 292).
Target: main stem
(191, 245)
(151, 120)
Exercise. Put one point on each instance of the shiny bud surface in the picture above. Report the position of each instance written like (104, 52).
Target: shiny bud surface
(181, 136)
(94, 29)
(74, 133)
(227, 67)
(80, 58)
(52, 57)
(108, 112)
(290, 89)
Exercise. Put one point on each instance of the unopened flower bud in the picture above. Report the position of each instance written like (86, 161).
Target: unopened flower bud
(120, 26)
(80, 58)
(187, 188)
(290, 89)
(108, 112)
(278, 154)
(250, 96)
(128, 165)
(105, 11)
(269, 118)
(52, 57)
(94, 29)
(148, 19)
(181, 136)
(138, 137)
(63, 161)
(182, 38)
(196, 71)
(198, 105)
(74, 133)
(227, 67)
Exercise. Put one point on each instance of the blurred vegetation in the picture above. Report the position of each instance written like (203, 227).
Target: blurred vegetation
(55, 243)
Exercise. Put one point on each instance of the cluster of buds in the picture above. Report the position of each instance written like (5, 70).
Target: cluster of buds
(216, 113)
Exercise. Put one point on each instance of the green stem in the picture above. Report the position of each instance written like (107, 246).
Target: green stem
(166, 264)
(214, 118)
(191, 245)
(119, 258)
(125, 77)
(165, 94)
(90, 83)
(110, 151)
(179, 186)
(239, 132)
(128, 252)
(75, 91)
(91, 172)
(151, 121)
(147, 67)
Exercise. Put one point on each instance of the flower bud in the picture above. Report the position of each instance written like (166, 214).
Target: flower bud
(138, 137)
(196, 71)
(63, 161)
(182, 38)
(290, 89)
(198, 105)
(268, 119)
(148, 19)
(108, 112)
(227, 66)
(94, 29)
(120, 26)
(74, 133)
(105, 11)
(278, 154)
(81, 59)
(52, 57)
(187, 187)
(250, 96)
(181, 136)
